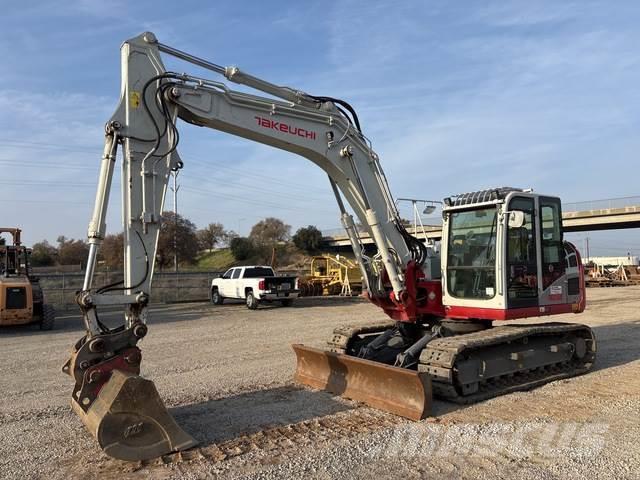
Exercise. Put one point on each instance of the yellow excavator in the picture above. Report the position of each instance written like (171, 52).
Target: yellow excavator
(502, 257)
(21, 297)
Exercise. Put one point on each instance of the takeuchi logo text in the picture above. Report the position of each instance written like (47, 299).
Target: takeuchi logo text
(283, 127)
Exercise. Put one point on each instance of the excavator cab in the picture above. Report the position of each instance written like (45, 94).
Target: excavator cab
(504, 257)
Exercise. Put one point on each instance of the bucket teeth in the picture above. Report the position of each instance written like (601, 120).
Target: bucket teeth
(396, 390)
(130, 421)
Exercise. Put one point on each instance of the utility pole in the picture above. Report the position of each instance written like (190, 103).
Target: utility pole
(586, 248)
(175, 189)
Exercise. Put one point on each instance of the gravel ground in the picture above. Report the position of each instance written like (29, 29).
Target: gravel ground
(226, 374)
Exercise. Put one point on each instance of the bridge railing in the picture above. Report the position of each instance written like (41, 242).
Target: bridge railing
(428, 222)
(568, 207)
(585, 206)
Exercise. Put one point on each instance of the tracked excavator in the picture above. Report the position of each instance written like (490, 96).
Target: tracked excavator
(502, 257)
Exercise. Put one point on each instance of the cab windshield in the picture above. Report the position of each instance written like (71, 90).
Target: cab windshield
(471, 253)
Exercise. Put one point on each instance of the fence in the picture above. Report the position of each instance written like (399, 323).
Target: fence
(168, 287)
(60, 288)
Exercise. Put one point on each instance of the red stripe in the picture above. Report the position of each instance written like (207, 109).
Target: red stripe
(512, 314)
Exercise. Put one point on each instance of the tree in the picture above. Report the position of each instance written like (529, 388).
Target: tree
(186, 240)
(308, 239)
(242, 248)
(112, 250)
(211, 235)
(43, 254)
(229, 236)
(270, 231)
(72, 252)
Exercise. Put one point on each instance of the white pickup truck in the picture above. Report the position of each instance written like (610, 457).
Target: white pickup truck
(255, 284)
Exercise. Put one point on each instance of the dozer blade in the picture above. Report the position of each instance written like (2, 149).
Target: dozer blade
(130, 421)
(396, 390)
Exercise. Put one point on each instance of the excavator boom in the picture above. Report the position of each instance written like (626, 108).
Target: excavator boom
(122, 410)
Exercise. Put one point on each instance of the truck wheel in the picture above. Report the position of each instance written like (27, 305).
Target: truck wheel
(216, 298)
(287, 302)
(48, 317)
(252, 301)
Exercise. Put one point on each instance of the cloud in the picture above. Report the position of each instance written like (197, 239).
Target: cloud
(454, 97)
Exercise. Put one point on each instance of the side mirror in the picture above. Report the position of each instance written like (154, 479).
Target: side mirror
(516, 219)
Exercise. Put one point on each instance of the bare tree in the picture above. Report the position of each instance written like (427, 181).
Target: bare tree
(187, 240)
(72, 252)
(112, 250)
(270, 231)
(211, 235)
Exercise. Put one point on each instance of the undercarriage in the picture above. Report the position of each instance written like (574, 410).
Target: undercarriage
(469, 361)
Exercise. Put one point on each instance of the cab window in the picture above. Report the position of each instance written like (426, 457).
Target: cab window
(236, 273)
(553, 255)
(471, 257)
(228, 273)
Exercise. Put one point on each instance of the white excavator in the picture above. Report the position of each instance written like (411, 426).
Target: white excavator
(502, 257)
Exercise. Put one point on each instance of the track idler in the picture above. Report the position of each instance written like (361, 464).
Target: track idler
(122, 410)
(396, 390)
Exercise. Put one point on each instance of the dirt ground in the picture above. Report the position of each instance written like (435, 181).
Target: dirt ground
(226, 374)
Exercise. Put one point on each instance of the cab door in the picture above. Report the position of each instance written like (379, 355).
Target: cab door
(521, 256)
(554, 288)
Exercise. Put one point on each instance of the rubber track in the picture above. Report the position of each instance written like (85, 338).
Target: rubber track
(443, 353)
(342, 335)
(288, 438)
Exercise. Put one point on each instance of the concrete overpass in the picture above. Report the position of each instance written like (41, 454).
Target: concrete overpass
(609, 214)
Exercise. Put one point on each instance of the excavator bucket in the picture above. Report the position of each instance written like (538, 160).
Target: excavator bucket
(130, 421)
(396, 390)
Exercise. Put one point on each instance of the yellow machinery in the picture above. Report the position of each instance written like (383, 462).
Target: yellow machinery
(331, 275)
(21, 298)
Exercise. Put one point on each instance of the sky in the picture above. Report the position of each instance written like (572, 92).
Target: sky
(455, 96)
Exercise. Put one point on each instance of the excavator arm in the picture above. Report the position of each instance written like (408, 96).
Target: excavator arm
(144, 123)
(120, 408)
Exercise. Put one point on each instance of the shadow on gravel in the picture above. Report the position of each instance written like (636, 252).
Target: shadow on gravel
(617, 344)
(216, 421)
(301, 302)
(65, 324)
(68, 321)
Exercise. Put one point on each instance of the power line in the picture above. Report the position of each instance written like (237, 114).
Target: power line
(237, 198)
(278, 193)
(84, 148)
(39, 145)
(62, 166)
(47, 184)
